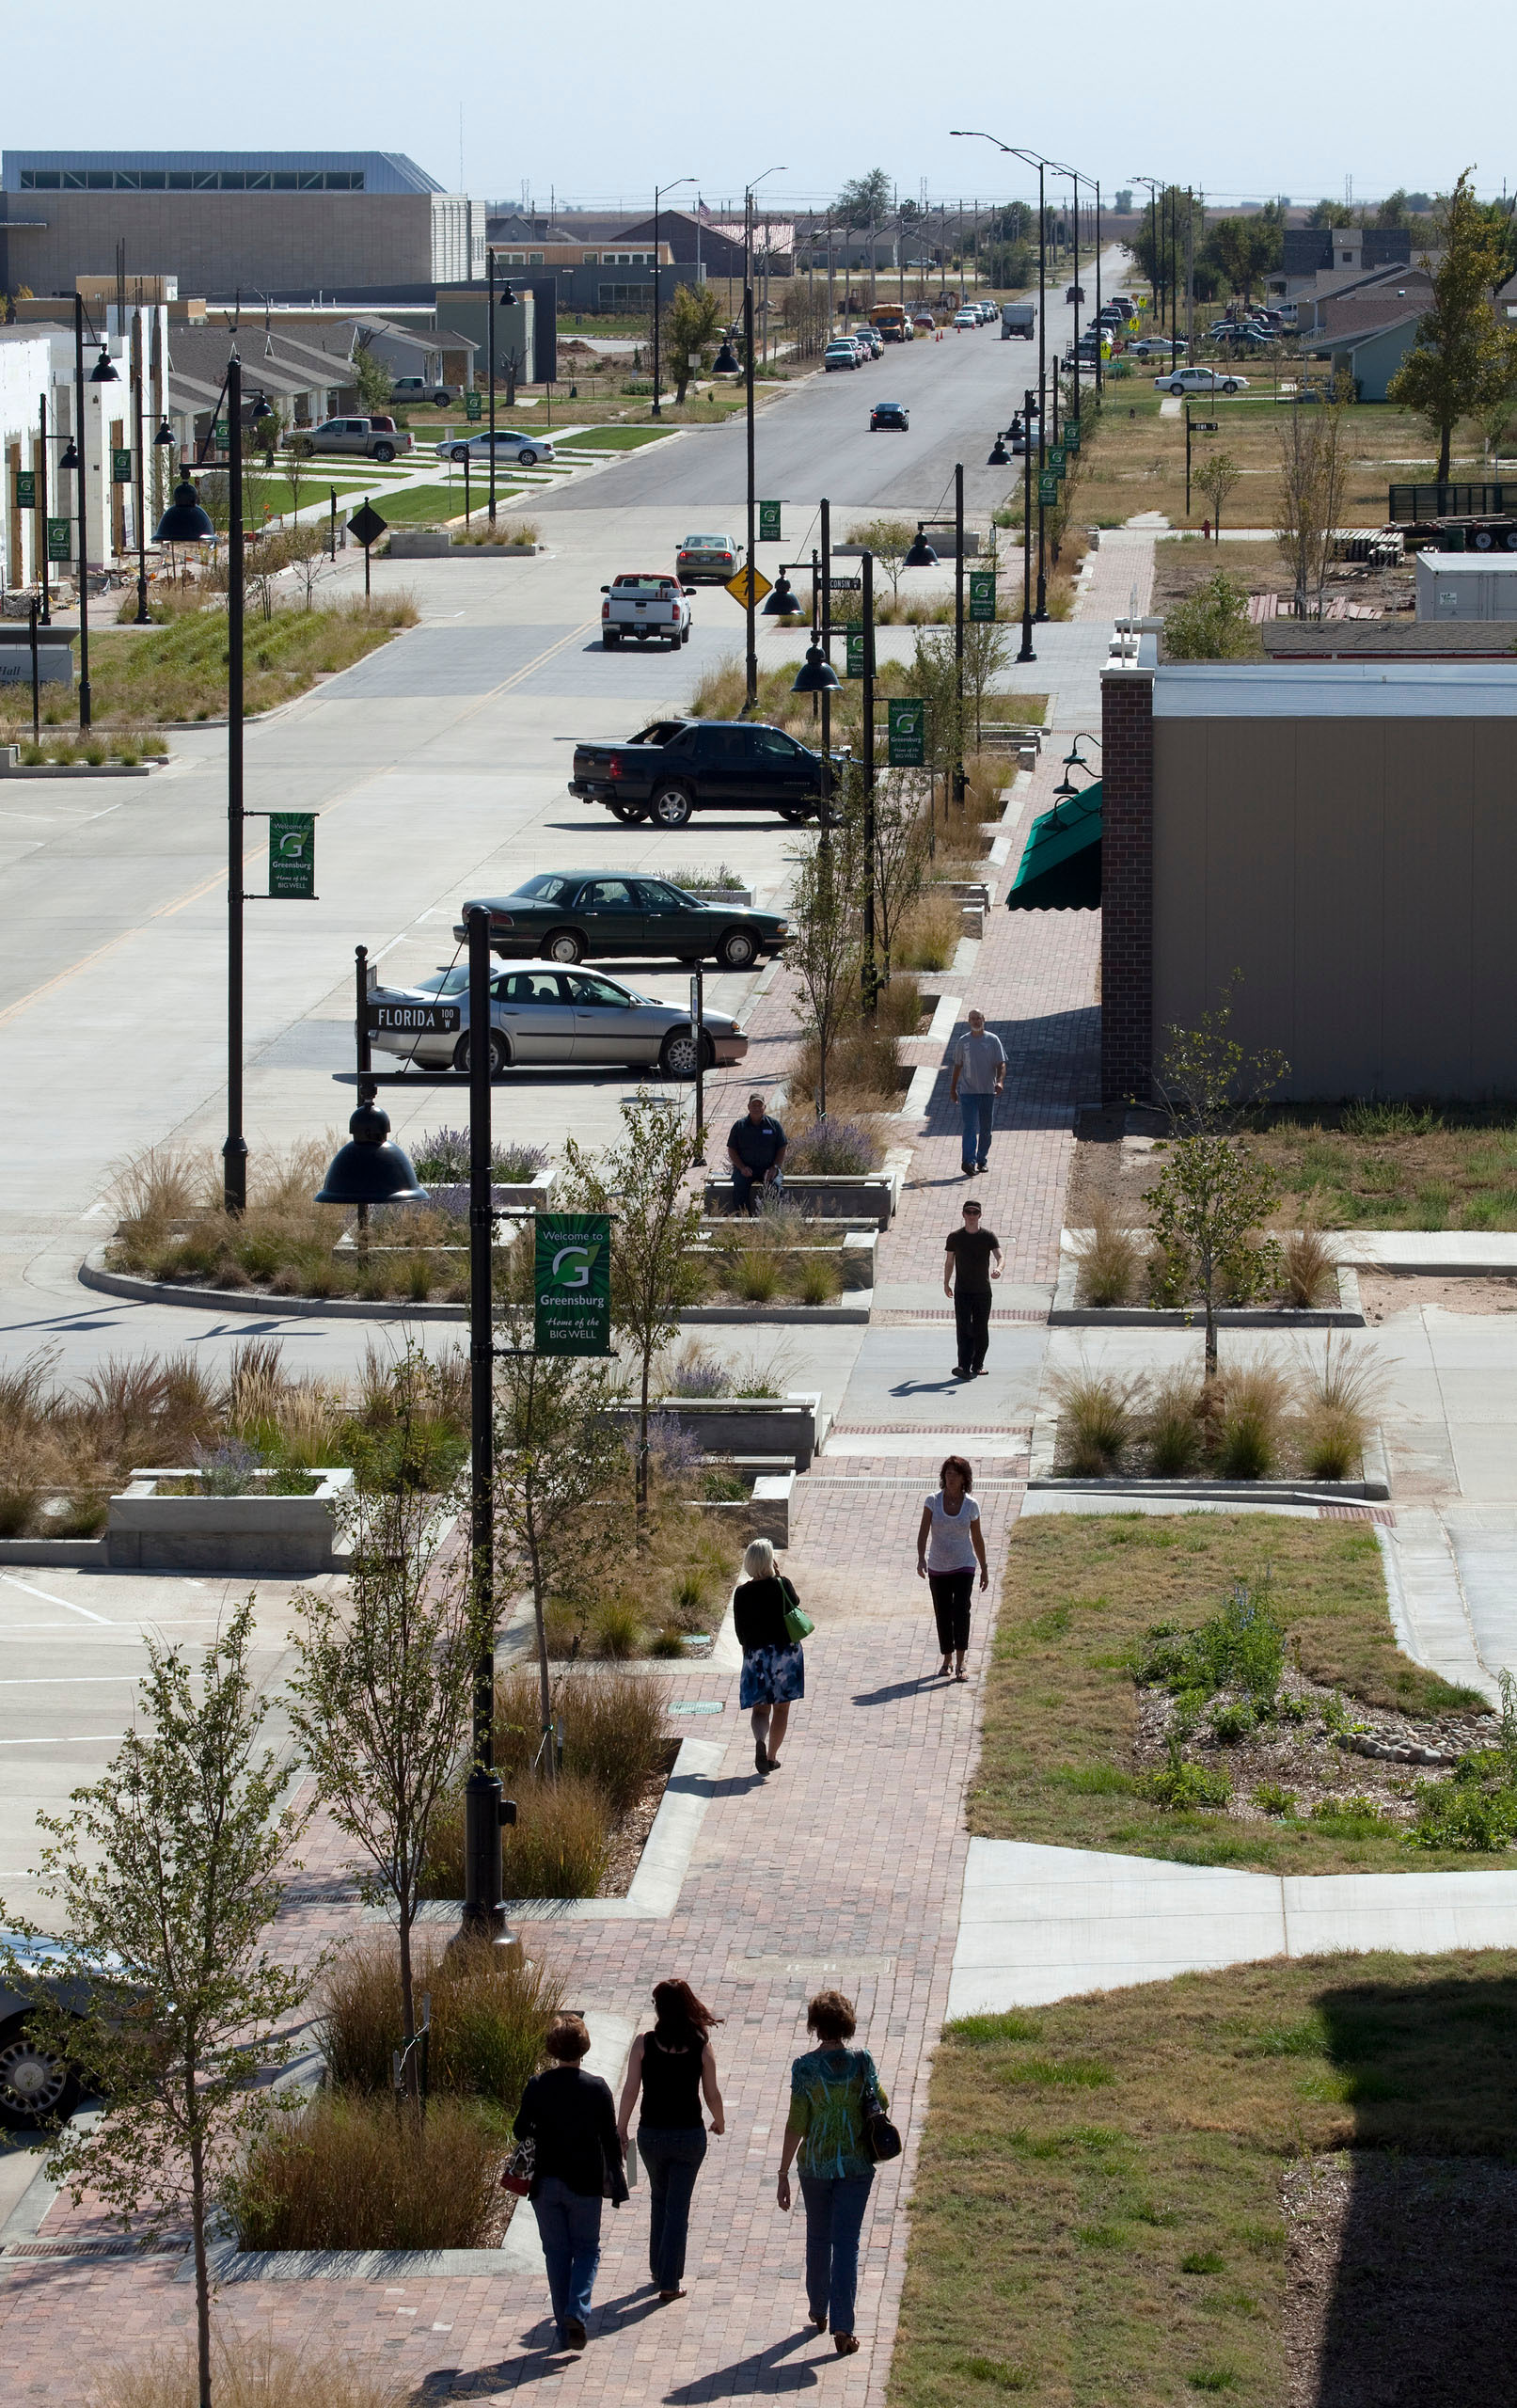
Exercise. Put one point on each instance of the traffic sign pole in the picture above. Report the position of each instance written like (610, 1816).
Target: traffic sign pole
(698, 1028)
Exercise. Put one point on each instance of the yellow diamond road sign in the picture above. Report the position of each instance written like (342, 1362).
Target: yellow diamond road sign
(737, 586)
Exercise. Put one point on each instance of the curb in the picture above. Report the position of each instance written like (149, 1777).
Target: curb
(92, 1273)
(1065, 1313)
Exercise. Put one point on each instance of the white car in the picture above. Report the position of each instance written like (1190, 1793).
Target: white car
(966, 317)
(1200, 380)
(521, 450)
(844, 354)
(543, 1013)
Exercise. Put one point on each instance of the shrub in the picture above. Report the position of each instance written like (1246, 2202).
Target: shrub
(1096, 1420)
(1339, 1402)
(490, 2013)
(1172, 1426)
(1212, 624)
(615, 1729)
(617, 1628)
(898, 1006)
(348, 2173)
(1274, 1799)
(835, 1147)
(1233, 1722)
(1249, 1422)
(443, 1157)
(1309, 1274)
(818, 1279)
(1352, 1819)
(1241, 1647)
(694, 1372)
(756, 1274)
(1109, 1256)
(929, 934)
(1180, 1786)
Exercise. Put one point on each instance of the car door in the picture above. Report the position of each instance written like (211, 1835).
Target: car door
(726, 768)
(608, 1026)
(612, 916)
(782, 772)
(671, 926)
(536, 1014)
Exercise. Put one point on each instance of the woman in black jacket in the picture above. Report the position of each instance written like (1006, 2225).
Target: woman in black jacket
(570, 2118)
(774, 1666)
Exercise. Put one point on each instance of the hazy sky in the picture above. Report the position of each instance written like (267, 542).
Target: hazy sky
(594, 101)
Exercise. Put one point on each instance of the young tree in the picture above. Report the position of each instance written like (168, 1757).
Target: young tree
(306, 547)
(691, 321)
(297, 459)
(1313, 477)
(902, 839)
(986, 652)
(656, 1221)
(1464, 356)
(1216, 479)
(169, 1870)
(826, 950)
(1212, 624)
(372, 380)
(890, 540)
(382, 1689)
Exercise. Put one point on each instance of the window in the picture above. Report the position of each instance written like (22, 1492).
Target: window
(769, 744)
(607, 893)
(725, 744)
(598, 993)
(534, 258)
(591, 259)
(623, 297)
(192, 180)
(530, 986)
(446, 982)
(659, 898)
(661, 588)
(544, 889)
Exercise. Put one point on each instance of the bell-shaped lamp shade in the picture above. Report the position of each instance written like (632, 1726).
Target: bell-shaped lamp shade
(816, 675)
(781, 603)
(507, 299)
(369, 1169)
(999, 454)
(70, 457)
(185, 521)
(102, 373)
(725, 362)
(165, 434)
(920, 554)
(261, 409)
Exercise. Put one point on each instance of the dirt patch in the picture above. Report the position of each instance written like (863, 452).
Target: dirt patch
(631, 1835)
(1388, 1294)
(1180, 566)
(1398, 2280)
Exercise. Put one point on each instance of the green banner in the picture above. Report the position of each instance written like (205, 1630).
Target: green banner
(856, 651)
(982, 593)
(1054, 461)
(25, 488)
(60, 539)
(907, 721)
(769, 522)
(120, 467)
(292, 853)
(1072, 436)
(1048, 492)
(573, 1283)
(473, 404)
(221, 431)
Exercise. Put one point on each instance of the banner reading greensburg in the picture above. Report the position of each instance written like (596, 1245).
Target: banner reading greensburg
(573, 1283)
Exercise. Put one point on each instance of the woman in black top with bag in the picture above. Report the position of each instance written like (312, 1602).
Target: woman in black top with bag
(770, 1626)
(671, 2066)
(568, 2118)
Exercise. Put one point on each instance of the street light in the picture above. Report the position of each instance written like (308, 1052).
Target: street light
(102, 374)
(1000, 456)
(1031, 159)
(726, 362)
(920, 554)
(185, 521)
(750, 700)
(659, 189)
(507, 301)
(816, 675)
(781, 603)
(371, 1169)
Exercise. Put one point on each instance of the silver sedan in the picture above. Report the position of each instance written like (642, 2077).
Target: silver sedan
(541, 1014)
(513, 450)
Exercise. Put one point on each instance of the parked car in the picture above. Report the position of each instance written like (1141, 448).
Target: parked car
(924, 323)
(707, 559)
(1200, 380)
(1156, 348)
(366, 436)
(593, 915)
(872, 340)
(642, 605)
(37, 2089)
(522, 450)
(417, 389)
(842, 353)
(676, 767)
(890, 414)
(966, 317)
(542, 1014)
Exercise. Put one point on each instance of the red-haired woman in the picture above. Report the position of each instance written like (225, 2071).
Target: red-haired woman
(672, 2067)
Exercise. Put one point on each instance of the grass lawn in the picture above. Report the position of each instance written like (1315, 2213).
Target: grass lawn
(1395, 1166)
(1081, 1592)
(1098, 2211)
(179, 672)
(434, 505)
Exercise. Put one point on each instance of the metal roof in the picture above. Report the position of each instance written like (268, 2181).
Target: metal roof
(382, 171)
(1337, 690)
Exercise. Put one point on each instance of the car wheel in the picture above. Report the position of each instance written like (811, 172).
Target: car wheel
(1510, 539)
(1481, 540)
(1229, 385)
(36, 2087)
(738, 949)
(459, 452)
(500, 1054)
(671, 807)
(610, 639)
(676, 1055)
(526, 459)
(795, 811)
(1177, 388)
(685, 634)
(628, 813)
(384, 452)
(563, 946)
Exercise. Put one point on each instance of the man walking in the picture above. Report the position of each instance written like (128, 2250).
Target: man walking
(967, 1277)
(756, 1150)
(979, 1075)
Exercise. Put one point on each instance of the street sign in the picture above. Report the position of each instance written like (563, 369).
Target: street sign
(856, 651)
(25, 489)
(120, 467)
(738, 586)
(982, 593)
(60, 539)
(1054, 459)
(692, 359)
(844, 585)
(907, 722)
(473, 404)
(769, 522)
(366, 524)
(292, 854)
(415, 1020)
(1048, 492)
(572, 1285)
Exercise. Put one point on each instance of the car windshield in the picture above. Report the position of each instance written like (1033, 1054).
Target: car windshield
(545, 889)
(707, 544)
(445, 982)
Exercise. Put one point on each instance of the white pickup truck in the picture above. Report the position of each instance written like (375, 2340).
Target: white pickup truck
(645, 607)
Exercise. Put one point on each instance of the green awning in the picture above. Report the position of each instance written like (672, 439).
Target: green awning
(1061, 863)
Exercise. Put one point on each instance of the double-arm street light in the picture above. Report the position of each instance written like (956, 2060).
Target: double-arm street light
(1155, 188)
(1031, 159)
(507, 297)
(658, 191)
(750, 703)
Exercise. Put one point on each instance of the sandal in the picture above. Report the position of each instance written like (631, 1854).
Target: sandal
(820, 2322)
(846, 2344)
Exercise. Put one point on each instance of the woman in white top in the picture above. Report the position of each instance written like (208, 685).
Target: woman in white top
(949, 1545)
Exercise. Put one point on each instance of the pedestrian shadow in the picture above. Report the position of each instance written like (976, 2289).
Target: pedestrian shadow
(762, 2375)
(898, 1690)
(734, 1785)
(928, 1387)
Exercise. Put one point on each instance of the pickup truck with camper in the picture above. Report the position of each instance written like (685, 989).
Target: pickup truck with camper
(1018, 318)
(676, 767)
(370, 438)
(645, 607)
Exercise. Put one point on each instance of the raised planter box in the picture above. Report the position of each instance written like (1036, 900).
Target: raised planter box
(11, 767)
(1066, 1312)
(1202, 1488)
(437, 544)
(288, 1536)
(871, 1195)
(792, 1426)
(506, 1196)
(736, 898)
(93, 1274)
(765, 1513)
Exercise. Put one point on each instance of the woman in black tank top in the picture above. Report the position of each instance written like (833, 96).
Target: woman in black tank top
(669, 2068)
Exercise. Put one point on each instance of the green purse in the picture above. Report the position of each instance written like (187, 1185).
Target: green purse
(798, 1623)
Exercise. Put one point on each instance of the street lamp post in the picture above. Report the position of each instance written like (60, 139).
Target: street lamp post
(871, 991)
(1157, 279)
(507, 299)
(1027, 653)
(751, 701)
(958, 634)
(1031, 159)
(234, 1148)
(658, 191)
(102, 374)
(40, 548)
(144, 615)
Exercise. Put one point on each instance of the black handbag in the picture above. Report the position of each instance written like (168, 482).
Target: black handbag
(881, 2141)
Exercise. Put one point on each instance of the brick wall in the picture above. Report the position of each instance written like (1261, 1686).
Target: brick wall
(1127, 882)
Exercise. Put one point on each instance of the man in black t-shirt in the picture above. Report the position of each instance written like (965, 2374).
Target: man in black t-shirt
(967, 1277)
(756, 1150)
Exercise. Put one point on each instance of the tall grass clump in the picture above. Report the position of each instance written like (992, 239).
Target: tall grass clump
(491, 2012)
(249, 2370)
(1098, 1420)
(1339, 1403)
(929, 934)
(1308, 1272)
(1109, 1255)
(346, 2173)
(1172, 1425)
(1253, 1403)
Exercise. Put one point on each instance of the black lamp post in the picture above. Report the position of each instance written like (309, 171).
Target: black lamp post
(1033, 159)
(143, 613)
(507, 299)
(726, 362)
(658, 191)
(102, 374)
(920, 554)
(1026, 652)
(750, 703)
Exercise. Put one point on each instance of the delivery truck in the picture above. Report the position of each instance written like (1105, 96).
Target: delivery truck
(1018, 318)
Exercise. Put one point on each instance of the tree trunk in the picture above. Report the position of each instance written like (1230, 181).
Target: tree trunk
(1445, 438)
(539, 1602)
(642, 1446)
(202, 2272)
(407, 1992)
(1211, 1337)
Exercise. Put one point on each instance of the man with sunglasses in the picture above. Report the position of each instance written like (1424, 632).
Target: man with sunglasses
(967, 1275)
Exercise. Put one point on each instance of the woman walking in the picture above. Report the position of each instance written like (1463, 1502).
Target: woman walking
(568, 2117)
(949, 1545)
(672, 2067)
(774, 1667)
(832, 2090)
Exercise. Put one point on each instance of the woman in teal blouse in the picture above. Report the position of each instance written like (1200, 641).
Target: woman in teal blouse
(828, 2087)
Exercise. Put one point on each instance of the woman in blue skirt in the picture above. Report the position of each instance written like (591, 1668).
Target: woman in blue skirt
(774, 1667)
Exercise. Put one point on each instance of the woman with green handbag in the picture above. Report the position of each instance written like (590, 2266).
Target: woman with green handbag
(770, 1625)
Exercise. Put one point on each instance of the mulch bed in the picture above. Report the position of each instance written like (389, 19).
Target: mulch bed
(631, 1835)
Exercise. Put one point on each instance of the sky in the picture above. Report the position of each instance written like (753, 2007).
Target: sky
(594, 104)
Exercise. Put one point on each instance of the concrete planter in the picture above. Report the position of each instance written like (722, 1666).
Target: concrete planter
(791, 1426)
(867, 1196)
(493, 551)
(288, 1536)
(506, 1196)
(437, 544)
(736, 898)
(766, 1514)
(1067, 1312)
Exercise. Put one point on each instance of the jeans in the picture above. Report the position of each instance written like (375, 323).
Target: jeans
(951, 1595)
(674, 2157)
(972, 1314)
(975, 1110)
(743, 1184)
(834, 2215)
(570, 2227)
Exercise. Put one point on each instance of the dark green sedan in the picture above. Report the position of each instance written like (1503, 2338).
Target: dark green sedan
(597, 915)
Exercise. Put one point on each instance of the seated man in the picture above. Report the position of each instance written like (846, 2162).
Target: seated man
(756, 1150)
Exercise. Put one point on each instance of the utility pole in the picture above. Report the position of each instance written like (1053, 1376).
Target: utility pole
(1190, 275)
(751, 703)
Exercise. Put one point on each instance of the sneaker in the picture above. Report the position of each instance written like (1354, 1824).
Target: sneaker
(959, 1372)
(984, 1165)
(575, 2334)
(966, 1170)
